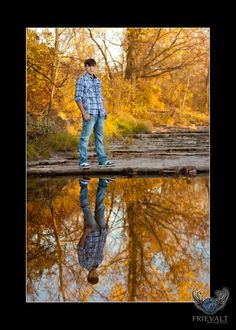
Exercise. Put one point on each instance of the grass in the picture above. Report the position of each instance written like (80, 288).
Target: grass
(143, 127)
(63, 141)
(187, 118)
(117, 127)
(44, 146)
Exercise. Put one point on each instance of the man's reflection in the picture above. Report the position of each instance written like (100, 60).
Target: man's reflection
(91, 244)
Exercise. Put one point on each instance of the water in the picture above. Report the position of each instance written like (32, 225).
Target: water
(157, 245)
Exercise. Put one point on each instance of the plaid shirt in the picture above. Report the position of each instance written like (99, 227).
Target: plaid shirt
(91, 254)
(89, 91)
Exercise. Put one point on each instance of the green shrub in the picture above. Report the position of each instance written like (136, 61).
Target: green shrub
(142, 127)
(124, 126)
(37, 127)
(44, 146)
(63, 141)
(31, 151)
(118, 127)
(132, 126)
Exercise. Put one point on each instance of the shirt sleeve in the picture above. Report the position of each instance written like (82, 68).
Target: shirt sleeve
(79, 90)
(82, 256)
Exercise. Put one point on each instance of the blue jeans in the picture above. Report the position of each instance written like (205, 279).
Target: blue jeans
(96, 123)
(98, 220)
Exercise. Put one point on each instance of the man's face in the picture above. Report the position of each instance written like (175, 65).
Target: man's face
(90, 69)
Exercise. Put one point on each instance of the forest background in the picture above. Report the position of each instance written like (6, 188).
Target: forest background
(151, 78)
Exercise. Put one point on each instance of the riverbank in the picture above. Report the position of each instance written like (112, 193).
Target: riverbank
(169, 152)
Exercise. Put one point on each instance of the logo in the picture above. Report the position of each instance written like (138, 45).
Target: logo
(211, 305)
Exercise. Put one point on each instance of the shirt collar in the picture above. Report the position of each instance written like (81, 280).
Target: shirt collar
(91, 77)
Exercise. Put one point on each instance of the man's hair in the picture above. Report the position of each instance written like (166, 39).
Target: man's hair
(90, 62)
(93, 280)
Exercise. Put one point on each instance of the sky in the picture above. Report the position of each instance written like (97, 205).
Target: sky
(114, 35)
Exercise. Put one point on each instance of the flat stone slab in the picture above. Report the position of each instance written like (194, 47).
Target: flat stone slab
(157, 154)
(130, 167)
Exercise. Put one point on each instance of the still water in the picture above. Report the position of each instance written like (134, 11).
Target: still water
(156, 247)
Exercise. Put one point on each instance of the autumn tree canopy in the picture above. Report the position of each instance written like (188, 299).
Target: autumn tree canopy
(156, 74)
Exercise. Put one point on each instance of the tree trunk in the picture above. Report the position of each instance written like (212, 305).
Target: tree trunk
(59, 251)
(131, 40)
(133, 255)
(55, 73)
(207, 90)
(186, 92)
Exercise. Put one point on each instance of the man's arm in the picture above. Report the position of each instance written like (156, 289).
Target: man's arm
(87, 230)
(83, 112)
(79, 93)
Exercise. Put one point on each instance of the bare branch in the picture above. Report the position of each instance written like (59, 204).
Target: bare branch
(41, 73)
(100, 48)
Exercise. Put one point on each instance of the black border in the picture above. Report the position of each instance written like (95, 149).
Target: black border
(117, 315)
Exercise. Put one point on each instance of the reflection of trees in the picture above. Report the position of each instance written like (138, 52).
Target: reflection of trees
(133, 274)
(166, 220)
(156, 247)
(47, 232)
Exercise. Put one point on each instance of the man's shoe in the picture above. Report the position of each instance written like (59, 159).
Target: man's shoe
(84, 165)
(108, 163)
(107, 180)
(84, 181)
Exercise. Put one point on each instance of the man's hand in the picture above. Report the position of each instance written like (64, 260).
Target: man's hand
(86, 116)
(87, 230)
(83, 112)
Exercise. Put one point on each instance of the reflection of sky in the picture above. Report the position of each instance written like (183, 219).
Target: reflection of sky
(160, 263)
(115, 239)
(44, 283)
(202, 249)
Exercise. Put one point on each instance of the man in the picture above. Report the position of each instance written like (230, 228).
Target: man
(89, 99)
(91, 244)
